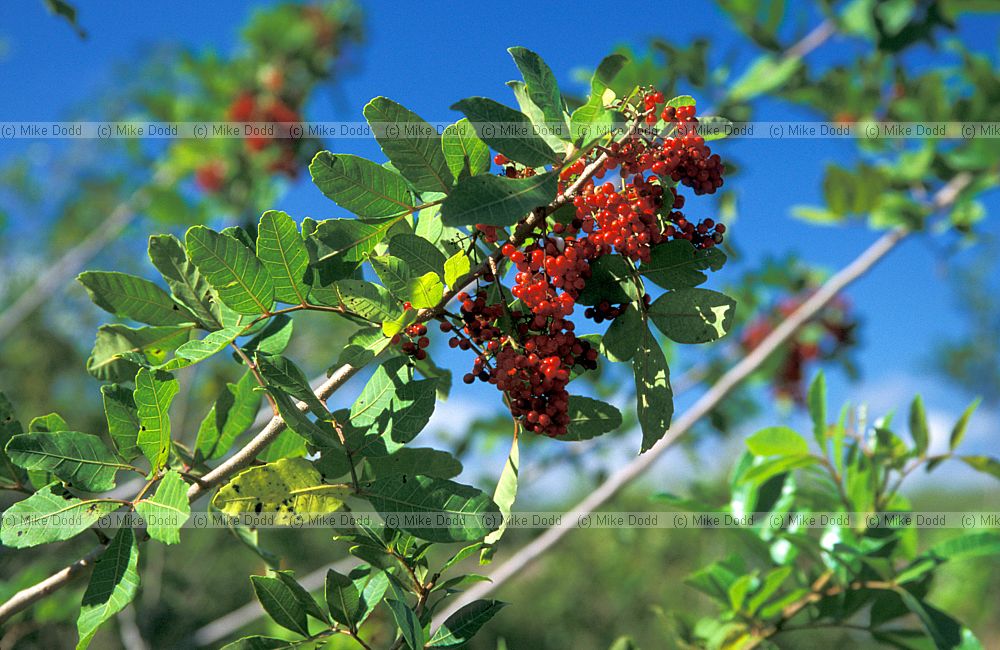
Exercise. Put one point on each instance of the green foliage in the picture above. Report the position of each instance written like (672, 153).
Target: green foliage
(496, 200)
(167, 510)
(290, 488)
(78, 459)
(360, 186)
(418, 154)
(232, 269)
(154, 391)
(113, 585)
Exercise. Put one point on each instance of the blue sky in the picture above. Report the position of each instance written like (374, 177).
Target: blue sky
(431, 56)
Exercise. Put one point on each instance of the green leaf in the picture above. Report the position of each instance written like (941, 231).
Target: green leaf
(677, 264)
(589, 418)
(113, 585)
(769, 586)
(370, 301)
(426, 291)
(394, 273)
(283, 253)
(621, 340)
(51, 423)
(693, 315)
(167, 510)
(9, 427)
(421, 255)
(507, 131)
(232, 269)
(777, 441)
(407, 622)
(497, 201)
(257, 642)
(233, 413)
(305, 600)
(554, 134)
(274, 338)
(945, 631)
(342, 598)
(984, 464)
(461, 626)
(354, 240)
(456, 267)
(464, 152)
(966, 546)
(610, 280)
(154, 391)
(135, 298)
(503, 496)
(593, 112)
(281, 604)
(363, 346)
(186, 283)
(288, 444)
(654, 399)
(414, 148)
(766, 74)
(196, 351)
(817, 408)
(467, 509)
(540, 83)
(360, 186)
(415, 461)
(123, 420)
(46, 517)
(113, 341)
(958, 431)
(282, 373)
(288, 487)
(320, 434)
(919, 430)
(391, 400)
(82, 460)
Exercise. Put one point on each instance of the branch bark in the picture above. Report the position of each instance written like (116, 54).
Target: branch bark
(53, 280)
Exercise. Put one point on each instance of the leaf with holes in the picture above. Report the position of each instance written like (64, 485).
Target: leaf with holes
(154, 391)
(654, 399)
(114, 342)
(693, 315)
(46, 517)
(288, 487)
(589, 418)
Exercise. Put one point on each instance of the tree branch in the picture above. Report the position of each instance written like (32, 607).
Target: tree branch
(54, 279)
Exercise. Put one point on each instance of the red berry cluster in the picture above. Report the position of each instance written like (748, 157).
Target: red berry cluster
(532, 368)
(827, 339)
(416, 341)
(529, 350)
